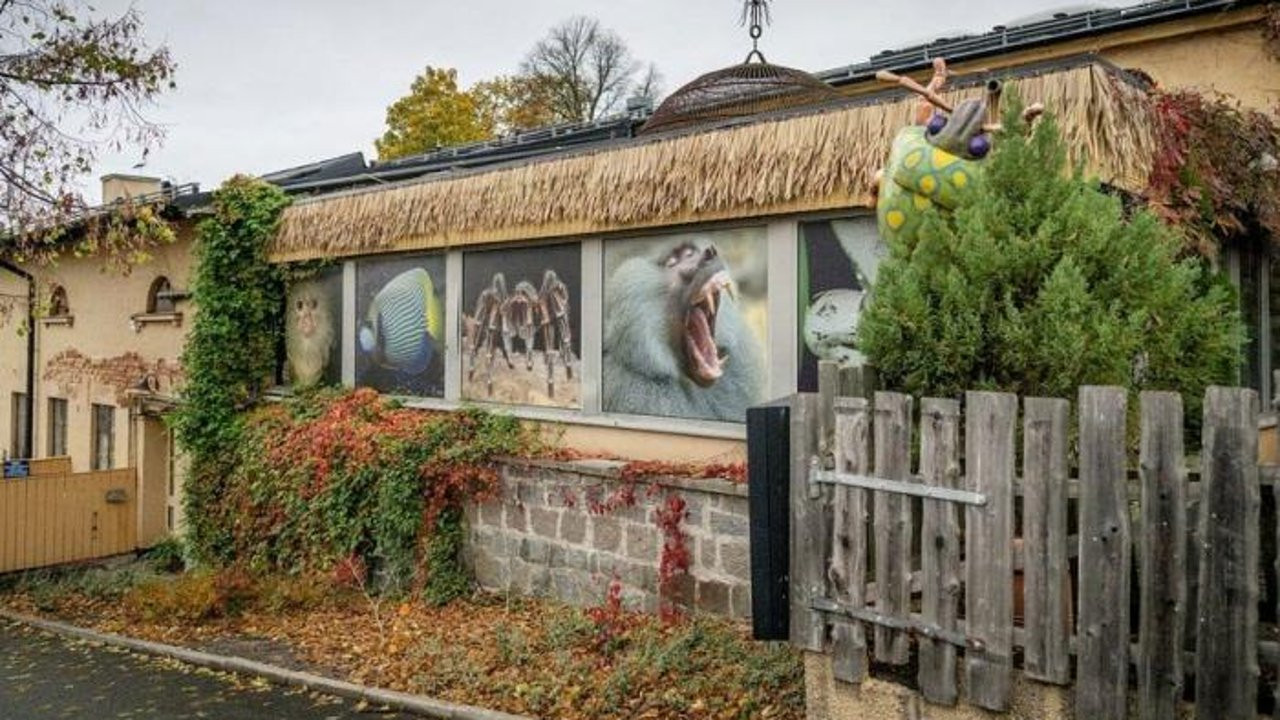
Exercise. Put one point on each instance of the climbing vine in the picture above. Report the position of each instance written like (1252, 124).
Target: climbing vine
(231, 350)
(351, 483)
(1217, 171)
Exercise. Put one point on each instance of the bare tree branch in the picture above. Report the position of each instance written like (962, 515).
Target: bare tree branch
(71, 85)
(589, 69)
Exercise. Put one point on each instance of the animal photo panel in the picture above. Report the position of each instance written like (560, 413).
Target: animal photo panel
(838, 263)
(313, 329)
(521, 326)
(399, 333)
(685, 319)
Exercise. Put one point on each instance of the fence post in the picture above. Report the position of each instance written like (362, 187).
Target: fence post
(809, 536)
(849, 551)
(1047, 604)
(892, 428)
(1163, 581)
(990, 420)
(1103, 643)
(1226, 638)
(939, 546)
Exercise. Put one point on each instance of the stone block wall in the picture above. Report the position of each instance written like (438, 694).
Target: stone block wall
(548, 535)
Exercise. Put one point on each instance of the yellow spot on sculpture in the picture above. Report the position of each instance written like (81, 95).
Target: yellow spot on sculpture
(928, 184)
(959, 178)
(921, 202)
(895, 218)
(942, 158)
(913, 159)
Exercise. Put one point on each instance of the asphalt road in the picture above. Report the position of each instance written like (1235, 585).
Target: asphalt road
(45, 676)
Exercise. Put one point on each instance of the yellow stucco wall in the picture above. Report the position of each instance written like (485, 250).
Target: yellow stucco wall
(1231, 61)
(1216, 51)
(99, 353)
(13, 349)
(649, 445)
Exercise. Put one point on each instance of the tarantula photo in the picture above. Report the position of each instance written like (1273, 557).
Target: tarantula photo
(501, 318)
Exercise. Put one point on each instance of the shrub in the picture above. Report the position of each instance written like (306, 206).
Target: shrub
(1040, 283)
(194, 596)
(168, 555)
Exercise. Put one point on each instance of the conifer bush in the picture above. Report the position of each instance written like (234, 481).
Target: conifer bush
(1041, 282)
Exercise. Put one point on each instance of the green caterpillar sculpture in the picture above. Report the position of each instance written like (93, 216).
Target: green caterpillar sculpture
(932, 162)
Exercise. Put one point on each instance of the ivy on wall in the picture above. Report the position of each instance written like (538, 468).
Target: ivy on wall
(1216, 174)
(231, 351)
(351, 483)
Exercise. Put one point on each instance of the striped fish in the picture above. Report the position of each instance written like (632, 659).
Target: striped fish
(404, 323)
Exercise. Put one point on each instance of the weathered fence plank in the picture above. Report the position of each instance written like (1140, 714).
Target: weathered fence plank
(1046, 604)
(809, 540)
(989, 469)
(1162, 568)
(828, 390)
(1103, 660)
(939, 547)
(892, 429)
(1227, 641)
(848, 571)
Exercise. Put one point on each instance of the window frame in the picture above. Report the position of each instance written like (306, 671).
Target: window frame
(782, 234)
(59, 411)
(160, 284)
(102, 413)
(19, 442)
(59, 303)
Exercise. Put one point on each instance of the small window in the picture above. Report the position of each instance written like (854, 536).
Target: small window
(58, 306)
(19, 443)
(104, 437)
(160, 296)
(57, 427)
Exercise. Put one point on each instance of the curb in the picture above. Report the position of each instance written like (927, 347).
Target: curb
(424, 706)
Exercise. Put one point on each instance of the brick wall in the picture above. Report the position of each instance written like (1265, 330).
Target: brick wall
(547, 535)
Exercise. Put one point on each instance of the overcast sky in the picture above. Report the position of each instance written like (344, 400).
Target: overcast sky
(269, 84)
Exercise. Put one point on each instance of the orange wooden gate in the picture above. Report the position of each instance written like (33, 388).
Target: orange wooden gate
(61, 517)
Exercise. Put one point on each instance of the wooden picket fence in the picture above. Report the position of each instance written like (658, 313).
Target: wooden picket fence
(884, 558)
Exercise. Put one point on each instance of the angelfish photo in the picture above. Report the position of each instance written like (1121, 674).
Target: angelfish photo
(399, 333)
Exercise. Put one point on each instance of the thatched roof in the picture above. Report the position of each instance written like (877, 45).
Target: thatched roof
(819, 161)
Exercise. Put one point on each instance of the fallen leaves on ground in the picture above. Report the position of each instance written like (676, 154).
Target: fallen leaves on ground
(533, 657)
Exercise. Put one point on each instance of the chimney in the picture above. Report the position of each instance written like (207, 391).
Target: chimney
(117, 187)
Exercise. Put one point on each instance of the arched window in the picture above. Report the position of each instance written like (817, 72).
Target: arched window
(160, 296)
(58, 306)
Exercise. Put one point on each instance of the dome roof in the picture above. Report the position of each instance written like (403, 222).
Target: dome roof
(738, 91)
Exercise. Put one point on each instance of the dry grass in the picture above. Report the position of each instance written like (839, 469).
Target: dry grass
(819, 161)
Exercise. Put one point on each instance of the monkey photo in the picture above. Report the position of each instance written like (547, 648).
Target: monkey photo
(310, 330)
(679, 337)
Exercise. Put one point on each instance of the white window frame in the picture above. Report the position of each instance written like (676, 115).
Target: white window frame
(782, 355)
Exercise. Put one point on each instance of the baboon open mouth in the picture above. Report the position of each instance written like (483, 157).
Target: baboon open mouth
(705, 359)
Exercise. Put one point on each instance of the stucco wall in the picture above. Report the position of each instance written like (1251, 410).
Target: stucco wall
(649, 445)
(1218, 51)
(1231, 61)
(13, 351)
(546, 535)
(97, 357)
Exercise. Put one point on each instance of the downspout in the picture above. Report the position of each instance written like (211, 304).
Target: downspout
(31, 353)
